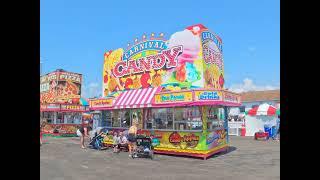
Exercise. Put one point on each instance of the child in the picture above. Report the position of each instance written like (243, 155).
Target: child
(116, 142)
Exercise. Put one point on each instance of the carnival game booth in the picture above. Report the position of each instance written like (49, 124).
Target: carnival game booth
(174, 86)
(61, 104)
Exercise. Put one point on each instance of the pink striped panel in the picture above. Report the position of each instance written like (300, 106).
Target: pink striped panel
(152, 95)
(145, 96)
(136, 98)
(136, 95)
(120, 99)
(143, 93)
(127, 98)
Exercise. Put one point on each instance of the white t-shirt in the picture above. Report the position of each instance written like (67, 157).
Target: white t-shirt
(123, 139)
(116, 140)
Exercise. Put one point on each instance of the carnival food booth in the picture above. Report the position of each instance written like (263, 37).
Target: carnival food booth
(174, 86)
(61, 104)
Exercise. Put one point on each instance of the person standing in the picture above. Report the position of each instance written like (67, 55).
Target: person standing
(83, 132)
(132, 133)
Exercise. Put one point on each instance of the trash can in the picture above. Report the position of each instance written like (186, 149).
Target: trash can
(268, 129)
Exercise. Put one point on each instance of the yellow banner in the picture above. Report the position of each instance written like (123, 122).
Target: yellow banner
(101, 103)
(173, 97)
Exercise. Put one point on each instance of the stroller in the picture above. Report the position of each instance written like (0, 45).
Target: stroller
(144, 147)
(97, 142)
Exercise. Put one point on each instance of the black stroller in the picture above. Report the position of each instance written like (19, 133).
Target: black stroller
(144, 147)
(97, 142)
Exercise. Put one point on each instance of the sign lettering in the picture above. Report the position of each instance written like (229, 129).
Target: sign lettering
(100, 103)
(174, 97)
(147, 45)
(166, 57)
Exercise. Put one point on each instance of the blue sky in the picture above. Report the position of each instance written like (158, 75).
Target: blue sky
(74, 34)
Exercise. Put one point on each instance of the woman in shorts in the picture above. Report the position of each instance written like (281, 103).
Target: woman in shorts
(82, 132)
(132, 133)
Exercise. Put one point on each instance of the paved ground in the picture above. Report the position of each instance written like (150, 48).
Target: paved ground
(62, 159)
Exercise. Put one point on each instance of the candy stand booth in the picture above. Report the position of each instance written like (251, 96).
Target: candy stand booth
(175, 85)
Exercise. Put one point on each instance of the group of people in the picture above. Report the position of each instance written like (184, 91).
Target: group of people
(119, 140)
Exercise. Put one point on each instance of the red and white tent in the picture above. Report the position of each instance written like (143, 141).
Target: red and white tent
(264, 110)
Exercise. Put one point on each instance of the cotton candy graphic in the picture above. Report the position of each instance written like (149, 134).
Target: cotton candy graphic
(192, 74)
(189, 41)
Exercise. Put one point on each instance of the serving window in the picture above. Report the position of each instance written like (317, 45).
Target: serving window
(116, 118)
(59, 118)
(123, 118)
(215, 117)
(161, 118)
(49, 116)
(187, 118)
(105, 118)
(72, 118)
(181, 118)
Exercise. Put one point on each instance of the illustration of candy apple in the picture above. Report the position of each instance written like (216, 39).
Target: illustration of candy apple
(145, 80)
(221, 81)
(128, 83)
(181, 73)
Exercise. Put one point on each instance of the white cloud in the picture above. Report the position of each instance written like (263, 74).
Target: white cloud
(248, 85)
(91, 90)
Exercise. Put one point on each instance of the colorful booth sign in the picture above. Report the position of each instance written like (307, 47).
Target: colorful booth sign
(174, 97)
(96, 103)
(198, 96)
(204, 95)
(60, 87)
(188, 59)
(50, 107)
(65, 107)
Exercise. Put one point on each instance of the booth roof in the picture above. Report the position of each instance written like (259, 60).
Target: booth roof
(254, 96)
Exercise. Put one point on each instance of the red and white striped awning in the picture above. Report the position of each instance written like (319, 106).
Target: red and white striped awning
(137, 98)
(263, 109)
